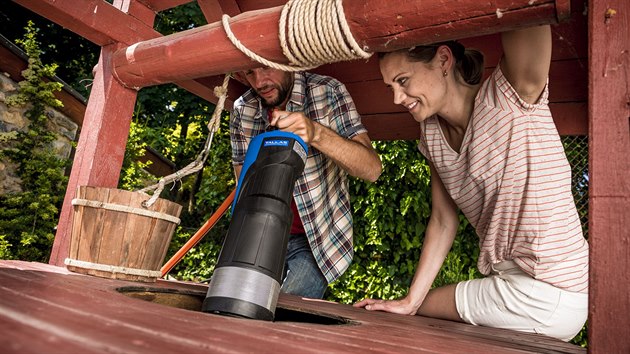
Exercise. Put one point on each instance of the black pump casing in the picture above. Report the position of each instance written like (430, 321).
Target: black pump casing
(247, 279)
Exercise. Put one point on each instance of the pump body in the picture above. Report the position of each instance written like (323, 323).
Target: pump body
(248, 275)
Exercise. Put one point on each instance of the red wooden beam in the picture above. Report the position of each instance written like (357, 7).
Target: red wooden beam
(231, 7)
(609, 168)
(95, 20)
(251, 5)
(570, 119)
(136, 9)
(211, 10)
(101, 146)
(376, 25)
(161, 5)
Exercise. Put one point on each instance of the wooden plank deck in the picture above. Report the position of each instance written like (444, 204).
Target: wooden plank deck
(47, 309)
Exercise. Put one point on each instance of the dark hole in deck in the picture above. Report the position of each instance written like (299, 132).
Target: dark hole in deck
(192, 300)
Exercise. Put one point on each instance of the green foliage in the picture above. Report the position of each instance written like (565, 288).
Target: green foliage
(390, 217)
(5, 248)
(133, 175)
(576, 149)
(28, 218)
(179, 19)
(581, 338)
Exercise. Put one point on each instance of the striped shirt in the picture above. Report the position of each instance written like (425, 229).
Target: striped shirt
(321, 192)
(512, 180)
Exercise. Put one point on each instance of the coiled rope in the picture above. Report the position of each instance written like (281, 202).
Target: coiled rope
(312, 33)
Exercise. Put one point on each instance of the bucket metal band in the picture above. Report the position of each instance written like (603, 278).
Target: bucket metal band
(113, 269)
(244, 284)
(125, 209)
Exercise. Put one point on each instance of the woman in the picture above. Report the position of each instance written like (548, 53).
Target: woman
(494, 153)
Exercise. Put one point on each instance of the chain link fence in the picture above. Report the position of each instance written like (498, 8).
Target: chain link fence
(576, 149)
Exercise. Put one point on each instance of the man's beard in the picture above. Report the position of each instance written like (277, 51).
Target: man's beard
(282, 95)
(283, 89)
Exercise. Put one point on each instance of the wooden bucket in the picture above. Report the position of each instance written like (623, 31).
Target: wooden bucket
(114, 236)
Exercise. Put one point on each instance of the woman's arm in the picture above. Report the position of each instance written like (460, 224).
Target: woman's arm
(437, 243)
(526, 60)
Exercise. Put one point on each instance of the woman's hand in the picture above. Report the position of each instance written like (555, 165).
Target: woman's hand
(402, 306)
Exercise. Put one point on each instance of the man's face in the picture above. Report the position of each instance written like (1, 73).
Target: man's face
(272, 86)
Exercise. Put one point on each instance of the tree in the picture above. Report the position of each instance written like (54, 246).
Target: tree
(28, 218)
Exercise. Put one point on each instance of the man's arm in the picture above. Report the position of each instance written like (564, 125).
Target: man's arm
(237, 172)
(356, 156)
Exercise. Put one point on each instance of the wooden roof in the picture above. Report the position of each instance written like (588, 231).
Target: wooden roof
(46, 309)
(160, 59)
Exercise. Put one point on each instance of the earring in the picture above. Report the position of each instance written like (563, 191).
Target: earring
(444, 73)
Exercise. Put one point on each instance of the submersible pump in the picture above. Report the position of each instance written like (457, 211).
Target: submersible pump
(248, 275)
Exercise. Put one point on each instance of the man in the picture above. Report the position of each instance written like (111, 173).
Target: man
(320, 111)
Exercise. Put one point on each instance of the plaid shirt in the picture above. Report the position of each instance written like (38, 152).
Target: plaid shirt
(321, 192)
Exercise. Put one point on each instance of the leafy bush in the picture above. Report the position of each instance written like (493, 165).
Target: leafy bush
(390, 217)
(28, 219)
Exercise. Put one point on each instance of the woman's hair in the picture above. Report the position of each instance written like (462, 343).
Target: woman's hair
(469, 62)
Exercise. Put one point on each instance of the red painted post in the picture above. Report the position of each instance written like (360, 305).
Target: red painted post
(99, 155)
(609, 168)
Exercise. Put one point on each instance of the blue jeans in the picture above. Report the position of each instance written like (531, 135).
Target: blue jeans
(302, 275)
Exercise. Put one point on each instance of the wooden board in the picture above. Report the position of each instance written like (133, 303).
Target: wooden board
(609, 166)
(43, 305)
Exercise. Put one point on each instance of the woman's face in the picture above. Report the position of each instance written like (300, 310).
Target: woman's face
(419, 87)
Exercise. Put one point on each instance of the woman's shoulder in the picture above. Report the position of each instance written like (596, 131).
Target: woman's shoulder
(497, 92)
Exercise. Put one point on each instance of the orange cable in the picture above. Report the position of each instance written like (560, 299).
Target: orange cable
(177, 257)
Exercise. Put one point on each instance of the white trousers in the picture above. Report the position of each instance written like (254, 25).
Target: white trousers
(510, 298)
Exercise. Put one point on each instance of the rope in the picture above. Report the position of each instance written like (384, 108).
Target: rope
(318, 33)
(112, 269)
(213, 126)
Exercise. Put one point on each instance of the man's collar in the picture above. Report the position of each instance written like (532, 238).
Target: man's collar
(299, 91)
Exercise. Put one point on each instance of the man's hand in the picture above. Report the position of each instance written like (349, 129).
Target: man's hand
(355, 156)
(296, 123)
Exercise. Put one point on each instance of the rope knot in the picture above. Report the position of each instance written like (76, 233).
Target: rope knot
(220, 91)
